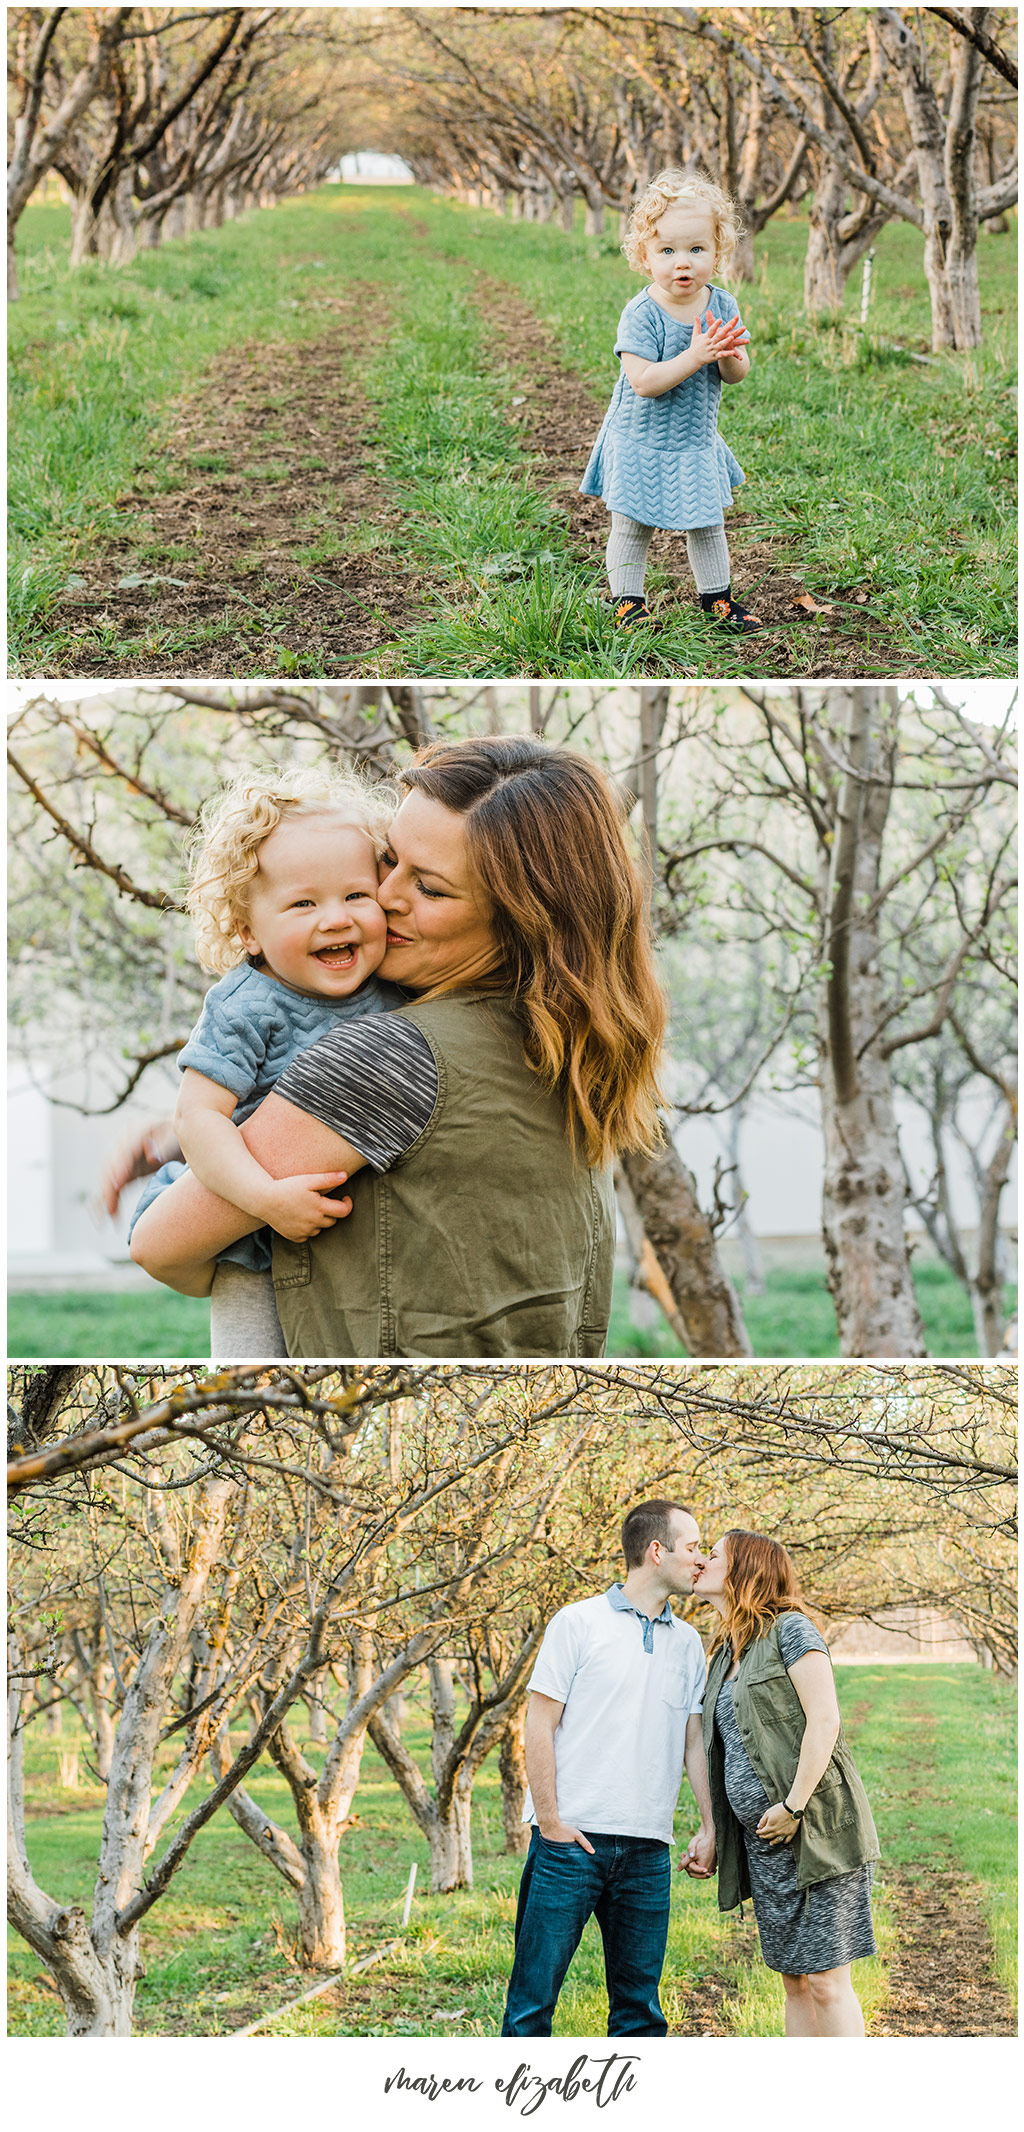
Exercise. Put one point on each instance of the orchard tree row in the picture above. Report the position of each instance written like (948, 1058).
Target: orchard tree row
(865, 114)
(160, 120)
(214, 1568)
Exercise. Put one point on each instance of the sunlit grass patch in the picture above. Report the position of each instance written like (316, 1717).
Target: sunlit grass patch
(867, 467)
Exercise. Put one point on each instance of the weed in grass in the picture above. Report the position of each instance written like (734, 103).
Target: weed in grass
(158, 551)
(272, 472)
(281, 659)
(349, 540)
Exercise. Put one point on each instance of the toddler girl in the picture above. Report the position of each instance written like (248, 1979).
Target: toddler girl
(659, 460)
(283, 897)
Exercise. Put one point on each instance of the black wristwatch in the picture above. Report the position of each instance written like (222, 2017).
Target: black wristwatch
(796, 1812)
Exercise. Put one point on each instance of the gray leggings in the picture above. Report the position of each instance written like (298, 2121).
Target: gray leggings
(244, 1325)
(629, 541)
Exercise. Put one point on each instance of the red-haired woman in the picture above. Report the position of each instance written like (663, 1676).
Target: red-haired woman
(792, 1821)
(485, 1113)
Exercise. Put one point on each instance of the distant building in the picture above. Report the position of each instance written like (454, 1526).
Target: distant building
(367, 166)
(902, 1634)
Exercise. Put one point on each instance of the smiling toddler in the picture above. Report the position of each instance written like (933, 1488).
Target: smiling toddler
(283, 898)
(659, 460)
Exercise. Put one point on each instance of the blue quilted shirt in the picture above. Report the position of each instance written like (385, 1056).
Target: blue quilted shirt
(662, 461)
(250, 1029)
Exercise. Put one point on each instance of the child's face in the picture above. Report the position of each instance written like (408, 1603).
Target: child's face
(681, 254)
(314, 919)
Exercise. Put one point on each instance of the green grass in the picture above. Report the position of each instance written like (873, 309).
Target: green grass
(793, 1317)
(963, 1808)
(217, 1947)
(152, 1321)
(867, 466)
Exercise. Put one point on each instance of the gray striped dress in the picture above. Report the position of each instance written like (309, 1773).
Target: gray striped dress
(802, 1930)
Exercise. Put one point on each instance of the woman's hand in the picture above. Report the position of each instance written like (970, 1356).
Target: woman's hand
(146, 1150)
(778, 1825)
(295, 1207)
(715, 339)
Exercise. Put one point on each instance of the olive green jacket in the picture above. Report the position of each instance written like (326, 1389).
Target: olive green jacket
(489, 1236)
(836, 1832)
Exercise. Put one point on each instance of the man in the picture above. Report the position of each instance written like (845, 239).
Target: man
(614, 1714)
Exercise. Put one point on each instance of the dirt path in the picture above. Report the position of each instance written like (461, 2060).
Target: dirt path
(261, 539)
(559, 418)
(275, 449)
(940, 1977)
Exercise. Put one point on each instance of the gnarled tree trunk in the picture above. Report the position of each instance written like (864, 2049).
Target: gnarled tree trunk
(95, 1963)
(864, 1199)
(321, 1903)
(836, 240)
(512, 1770)
(987, 1285)
(944, 146)
(450, 1842)
(681, 1238)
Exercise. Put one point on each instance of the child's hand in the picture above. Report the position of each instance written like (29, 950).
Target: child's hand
(713, 339)
(145, 1150)
(295, 1206)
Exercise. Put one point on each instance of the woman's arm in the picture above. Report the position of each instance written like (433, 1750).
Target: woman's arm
(813, 1679)
(177, 1239)
(216, 1153)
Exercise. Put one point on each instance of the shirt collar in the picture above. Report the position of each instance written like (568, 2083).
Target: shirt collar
(616, 1597)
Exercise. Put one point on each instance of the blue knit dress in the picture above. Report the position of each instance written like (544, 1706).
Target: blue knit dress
(662, 461)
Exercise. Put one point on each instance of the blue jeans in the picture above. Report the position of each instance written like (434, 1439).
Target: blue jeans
(626, 1885)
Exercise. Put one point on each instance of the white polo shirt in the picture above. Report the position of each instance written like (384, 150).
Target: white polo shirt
(620, 1741)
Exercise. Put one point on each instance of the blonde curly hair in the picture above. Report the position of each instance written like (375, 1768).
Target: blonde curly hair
(222, 853)
(668, 189)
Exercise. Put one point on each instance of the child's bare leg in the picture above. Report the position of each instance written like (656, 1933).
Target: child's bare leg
(177, 1238)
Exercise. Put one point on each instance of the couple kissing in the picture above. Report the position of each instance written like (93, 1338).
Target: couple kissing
(622, 1698)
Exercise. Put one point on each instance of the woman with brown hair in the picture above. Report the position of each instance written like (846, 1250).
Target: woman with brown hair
(487, 1110)
(792, 1822)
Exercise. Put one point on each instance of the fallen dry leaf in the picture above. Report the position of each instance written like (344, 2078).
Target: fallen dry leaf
(809, 606)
